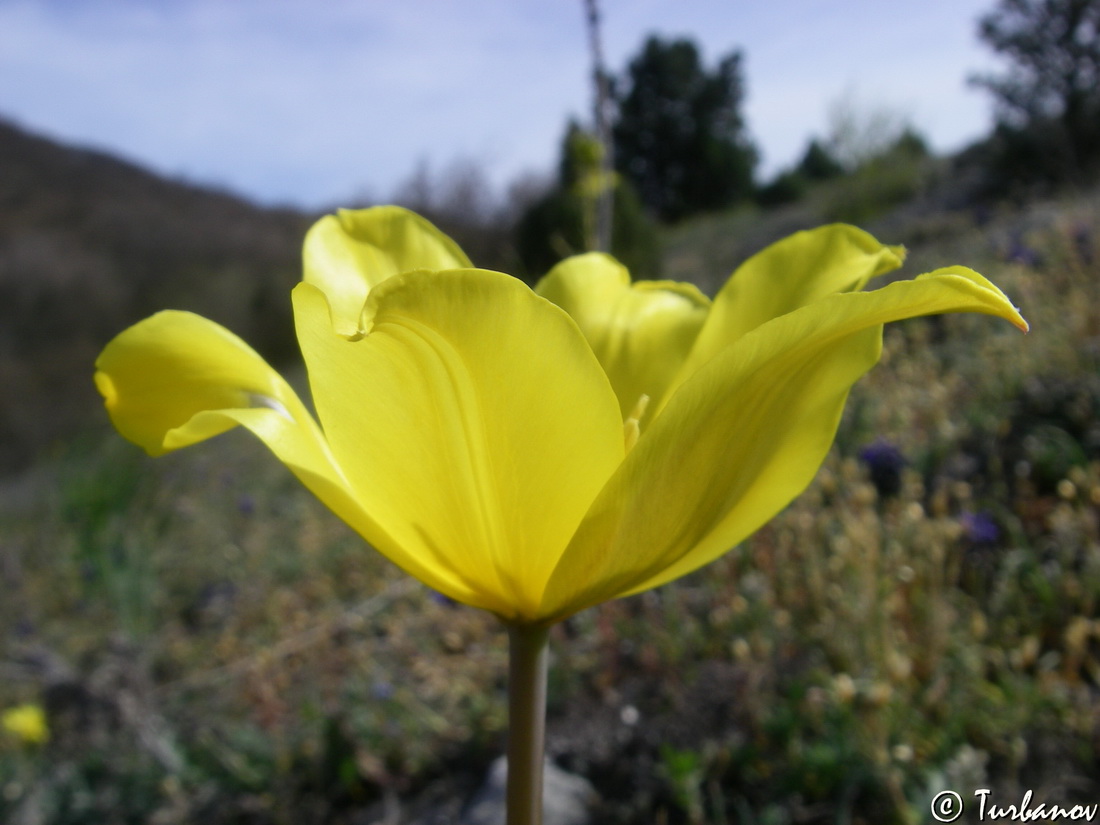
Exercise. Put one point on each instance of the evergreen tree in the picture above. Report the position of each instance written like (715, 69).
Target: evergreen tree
(680, 137)
(818, 163)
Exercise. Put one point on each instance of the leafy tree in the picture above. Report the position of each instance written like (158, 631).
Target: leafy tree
(790, 185)
(859, 130)
(680, 136)
(818, 163)
(897, 173)
(786, 187)
(1049, 99)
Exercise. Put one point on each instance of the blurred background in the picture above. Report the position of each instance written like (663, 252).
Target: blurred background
(196, 637)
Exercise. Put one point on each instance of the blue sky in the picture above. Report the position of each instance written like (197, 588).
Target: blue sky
(318, 102)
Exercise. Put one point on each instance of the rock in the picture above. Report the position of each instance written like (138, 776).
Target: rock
(567, 799)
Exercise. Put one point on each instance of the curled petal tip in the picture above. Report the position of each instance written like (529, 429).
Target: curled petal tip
(1011, 313)
(106, 388)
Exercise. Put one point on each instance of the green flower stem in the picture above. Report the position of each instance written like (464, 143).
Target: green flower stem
(528, 654)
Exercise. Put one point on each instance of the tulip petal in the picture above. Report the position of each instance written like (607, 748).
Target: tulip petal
(473, 421)
(798, 270)
(640, 332)
(176, 378)
(741, 438)
(159, 374)
(349, 253)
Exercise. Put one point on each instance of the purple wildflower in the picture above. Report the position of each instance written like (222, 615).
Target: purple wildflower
(980, 528)
(439, 598)
(884, 463)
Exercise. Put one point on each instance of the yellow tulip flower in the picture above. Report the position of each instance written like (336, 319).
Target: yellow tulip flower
(536, 452)
(27, 723)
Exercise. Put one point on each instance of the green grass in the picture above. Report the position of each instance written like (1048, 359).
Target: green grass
(212, 645)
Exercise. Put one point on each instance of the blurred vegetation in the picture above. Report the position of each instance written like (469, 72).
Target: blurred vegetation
(817, 165)
(897, 175)
(872, 160)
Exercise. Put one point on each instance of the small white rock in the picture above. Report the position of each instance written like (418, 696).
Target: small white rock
(567, 799)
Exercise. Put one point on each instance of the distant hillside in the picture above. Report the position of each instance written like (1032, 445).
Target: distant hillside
(90, 244)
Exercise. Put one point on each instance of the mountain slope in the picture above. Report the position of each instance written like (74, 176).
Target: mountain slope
(90, 244)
